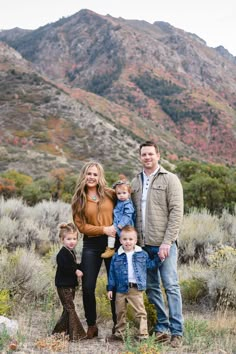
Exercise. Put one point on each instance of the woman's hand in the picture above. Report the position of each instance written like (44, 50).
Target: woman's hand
(109, 231)
(79, 273)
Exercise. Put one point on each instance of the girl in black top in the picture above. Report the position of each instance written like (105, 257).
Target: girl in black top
(67, 274)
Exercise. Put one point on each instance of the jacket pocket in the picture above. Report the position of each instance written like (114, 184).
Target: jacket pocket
(159, 187)
(159, 194)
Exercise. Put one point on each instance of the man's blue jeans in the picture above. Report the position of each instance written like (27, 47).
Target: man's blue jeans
(167, 273)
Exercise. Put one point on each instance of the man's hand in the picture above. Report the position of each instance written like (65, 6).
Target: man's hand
(109, 295)
(164, 251)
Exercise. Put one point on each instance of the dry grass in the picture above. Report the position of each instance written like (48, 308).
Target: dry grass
(28, 279)
(205, 332)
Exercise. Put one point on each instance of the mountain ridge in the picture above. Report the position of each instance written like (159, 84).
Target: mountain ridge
(154, 81)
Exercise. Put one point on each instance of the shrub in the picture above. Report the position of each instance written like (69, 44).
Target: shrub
(7, 187)
(222, 289)
(151, 312)
(14, 208)
(4, 302)
(22, 225)
(9, 235)
(20, 180)
(50, 214)
(200, 233)
(37, 191)
(103, 303)
(193, 290)
(227, 223)
(25, 275)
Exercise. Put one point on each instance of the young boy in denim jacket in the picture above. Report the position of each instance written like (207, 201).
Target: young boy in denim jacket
(127, 277)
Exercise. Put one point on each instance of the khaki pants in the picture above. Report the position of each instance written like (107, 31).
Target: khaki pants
(135, 298)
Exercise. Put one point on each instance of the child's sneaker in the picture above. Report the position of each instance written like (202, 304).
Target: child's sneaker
(108, 253)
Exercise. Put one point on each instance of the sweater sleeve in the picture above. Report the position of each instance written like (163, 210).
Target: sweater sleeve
(88, 229)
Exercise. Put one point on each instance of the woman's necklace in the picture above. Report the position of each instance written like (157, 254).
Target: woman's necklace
(93, 197)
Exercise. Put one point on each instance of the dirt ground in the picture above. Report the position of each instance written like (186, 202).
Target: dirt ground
(35, 326)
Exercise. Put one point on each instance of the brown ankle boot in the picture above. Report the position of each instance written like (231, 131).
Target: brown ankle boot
(92, 332)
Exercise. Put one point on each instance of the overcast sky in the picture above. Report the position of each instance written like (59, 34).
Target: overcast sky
(212, 20)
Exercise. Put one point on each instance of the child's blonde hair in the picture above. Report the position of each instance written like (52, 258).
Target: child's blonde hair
(127, 229)
(66, 228)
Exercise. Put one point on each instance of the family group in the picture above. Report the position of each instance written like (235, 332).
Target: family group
(133, 228)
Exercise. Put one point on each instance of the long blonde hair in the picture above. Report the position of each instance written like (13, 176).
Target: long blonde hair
(80, 196)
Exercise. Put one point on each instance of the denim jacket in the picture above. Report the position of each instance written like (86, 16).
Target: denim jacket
(124, 214)
(118, 274)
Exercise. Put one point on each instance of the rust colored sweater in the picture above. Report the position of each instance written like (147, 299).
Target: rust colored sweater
(95, 221)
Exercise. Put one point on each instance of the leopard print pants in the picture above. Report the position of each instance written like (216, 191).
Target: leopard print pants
(69, 322)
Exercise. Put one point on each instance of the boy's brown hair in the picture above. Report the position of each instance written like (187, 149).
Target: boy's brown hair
(127, 229)
(66, 228)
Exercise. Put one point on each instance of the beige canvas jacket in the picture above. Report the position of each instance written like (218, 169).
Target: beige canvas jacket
(164, 208)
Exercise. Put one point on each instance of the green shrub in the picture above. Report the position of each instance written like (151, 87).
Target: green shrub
(20, 180)
(195, 331)
(103, 303)
(151, 312)
(193, 290)
(4, 340)
(4, 302)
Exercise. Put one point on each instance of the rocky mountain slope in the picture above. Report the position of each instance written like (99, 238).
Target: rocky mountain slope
(43, 128)
(136, 81)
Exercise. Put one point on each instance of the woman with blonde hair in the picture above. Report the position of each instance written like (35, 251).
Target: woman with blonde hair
(92, 207)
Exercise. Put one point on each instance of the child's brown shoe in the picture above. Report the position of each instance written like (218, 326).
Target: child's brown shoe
(108, 253)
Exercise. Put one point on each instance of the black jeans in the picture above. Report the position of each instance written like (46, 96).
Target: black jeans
(91, 263)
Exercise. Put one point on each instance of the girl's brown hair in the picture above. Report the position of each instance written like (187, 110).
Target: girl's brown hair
(80, 196)
(66, 228)
(123, 185)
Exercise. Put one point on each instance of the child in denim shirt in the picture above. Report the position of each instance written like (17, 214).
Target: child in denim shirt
(128, 277)
(123, 213)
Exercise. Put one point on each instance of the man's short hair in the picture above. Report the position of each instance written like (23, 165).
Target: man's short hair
(149, 143)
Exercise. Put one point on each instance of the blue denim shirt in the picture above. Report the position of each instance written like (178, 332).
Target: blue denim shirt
(124, 214)
(118, 274)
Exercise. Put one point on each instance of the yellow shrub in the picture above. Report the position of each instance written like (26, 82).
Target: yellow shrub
(4, 302)
(223, 255)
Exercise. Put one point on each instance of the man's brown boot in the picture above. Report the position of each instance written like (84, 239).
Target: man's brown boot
(162, 337)
(175, 341)
(92, 332)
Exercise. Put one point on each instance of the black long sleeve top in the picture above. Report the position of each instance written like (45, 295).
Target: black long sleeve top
(66, 267)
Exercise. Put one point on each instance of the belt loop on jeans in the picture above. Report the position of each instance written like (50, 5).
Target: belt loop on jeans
(133, 285)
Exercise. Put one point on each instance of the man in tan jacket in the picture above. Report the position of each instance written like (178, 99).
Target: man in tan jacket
(157, 195)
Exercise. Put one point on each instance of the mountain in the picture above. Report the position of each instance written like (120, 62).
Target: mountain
(144, 81)
(43, 128)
